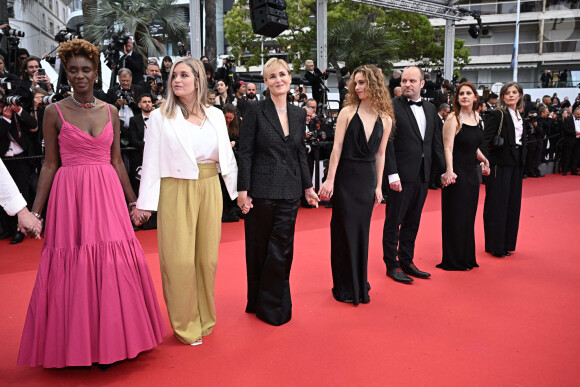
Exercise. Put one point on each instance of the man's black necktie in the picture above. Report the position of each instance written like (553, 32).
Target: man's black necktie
(418, 103)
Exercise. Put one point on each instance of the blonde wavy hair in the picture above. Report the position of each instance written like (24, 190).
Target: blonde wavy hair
(172, 101)
(379, 95)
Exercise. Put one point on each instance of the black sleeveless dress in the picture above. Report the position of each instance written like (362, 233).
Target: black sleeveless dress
(459, 202)
(352, 207)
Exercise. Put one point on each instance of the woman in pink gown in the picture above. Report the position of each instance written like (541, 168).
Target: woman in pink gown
(93, 300)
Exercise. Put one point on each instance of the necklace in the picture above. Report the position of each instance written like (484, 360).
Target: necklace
(86, 105)
(281, 111)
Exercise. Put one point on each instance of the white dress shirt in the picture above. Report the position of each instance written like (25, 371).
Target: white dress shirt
(419, 114)
(577, 127)
(518, 125)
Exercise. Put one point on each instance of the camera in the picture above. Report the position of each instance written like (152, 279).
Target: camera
(48, 99)
(66, 35)
(321, 129)
(118, 42)
(229, 62)
(14, 100)
(13, 33)
(182, 50)
(154, 79)
(126, 95)
(41, 72)
(6, 84)
(330, 71)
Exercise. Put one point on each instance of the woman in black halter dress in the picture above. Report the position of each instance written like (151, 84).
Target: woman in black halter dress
(354, 180)
(462, 137)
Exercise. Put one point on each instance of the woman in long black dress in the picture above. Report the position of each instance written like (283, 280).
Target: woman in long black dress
(462, 137)
(355, 178)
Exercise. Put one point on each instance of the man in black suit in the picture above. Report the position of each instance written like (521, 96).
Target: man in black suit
(414, 142)
(137, 127)
(571, 151)
(124, 97)
(133, 61)
(316, 79)
(16, 126)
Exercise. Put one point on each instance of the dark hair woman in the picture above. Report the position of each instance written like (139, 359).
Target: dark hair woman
(93, 300)
(462, 137)
(503, 198)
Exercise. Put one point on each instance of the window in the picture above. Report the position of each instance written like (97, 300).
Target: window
(50, 4)
(51, 27)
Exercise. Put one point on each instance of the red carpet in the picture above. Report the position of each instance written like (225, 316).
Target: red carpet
(513, 321)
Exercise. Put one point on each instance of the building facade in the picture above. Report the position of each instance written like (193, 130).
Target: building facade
(549, 38)
(40, 21)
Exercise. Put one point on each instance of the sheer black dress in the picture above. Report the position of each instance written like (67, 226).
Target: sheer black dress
(459, 202)
(352, 207)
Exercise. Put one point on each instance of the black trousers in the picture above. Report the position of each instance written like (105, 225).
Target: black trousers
(269, 229)
(501, 211)
(534, 157)
(20, 170)
(403, 215)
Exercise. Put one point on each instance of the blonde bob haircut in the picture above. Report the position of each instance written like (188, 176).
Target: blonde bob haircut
(377, 90)
(272, 65)
(172, 101)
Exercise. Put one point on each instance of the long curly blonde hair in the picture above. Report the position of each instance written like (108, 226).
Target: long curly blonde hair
(377, 90)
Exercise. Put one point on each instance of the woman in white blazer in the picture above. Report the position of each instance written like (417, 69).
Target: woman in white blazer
(186, 146)
(14, 204)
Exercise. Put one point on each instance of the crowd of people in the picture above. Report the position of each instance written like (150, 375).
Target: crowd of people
(206, 149)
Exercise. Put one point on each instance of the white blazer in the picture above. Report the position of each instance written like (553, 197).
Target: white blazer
(10, 198)
(166, 155)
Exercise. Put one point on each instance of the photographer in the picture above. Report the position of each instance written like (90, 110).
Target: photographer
(153, 84)
(299, 97)
(132, 60)
(227, 73)
(535, 130)
(16, 128)
(316, 79)
(124, 97)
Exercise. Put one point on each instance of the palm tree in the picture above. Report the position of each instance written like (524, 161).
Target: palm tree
(360, 42)
(135, 17)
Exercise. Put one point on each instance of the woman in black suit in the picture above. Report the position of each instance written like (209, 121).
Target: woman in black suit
(503, 190)
(272, 176)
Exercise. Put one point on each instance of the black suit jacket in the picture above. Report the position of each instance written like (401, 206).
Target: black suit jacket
(137, 131)
(134, 62)
(271, 166)
(505, 155)
(316, 81)
(26, 122)
(405, 146)
(569, 131)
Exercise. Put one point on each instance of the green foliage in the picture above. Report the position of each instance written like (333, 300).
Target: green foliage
(240, 35)
(402, 35)
(359, 42)
(134, 17)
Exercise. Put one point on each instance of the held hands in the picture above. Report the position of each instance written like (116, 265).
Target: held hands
(448, 178)
(396, 186)
(311, 197)
(29, 224)
(485, 169)
(140, 217)
(326, 190)
(378, 196)
(244, 202)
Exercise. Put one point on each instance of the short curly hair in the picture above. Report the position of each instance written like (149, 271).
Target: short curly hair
(78, 47)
